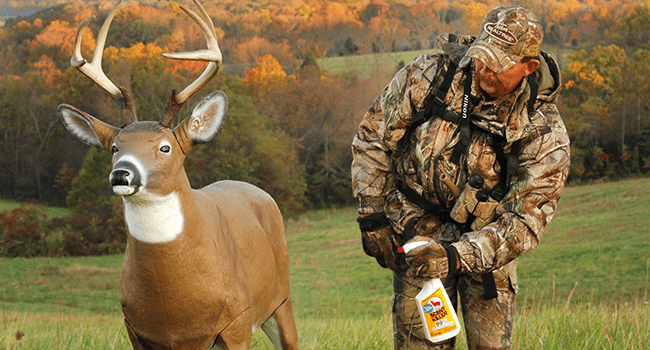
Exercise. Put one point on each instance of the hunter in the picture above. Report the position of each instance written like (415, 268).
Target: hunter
(464, 149)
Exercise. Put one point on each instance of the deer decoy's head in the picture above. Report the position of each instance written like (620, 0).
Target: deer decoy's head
(148, 156)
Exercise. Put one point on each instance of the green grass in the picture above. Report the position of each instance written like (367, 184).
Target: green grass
(364, 65)
(584, 287)
(62, 331)
(69, 285)
(52, 212)
(330, 275)
(600, 240)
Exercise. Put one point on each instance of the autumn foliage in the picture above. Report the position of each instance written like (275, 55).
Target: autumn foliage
(267, 74)
(290, 122)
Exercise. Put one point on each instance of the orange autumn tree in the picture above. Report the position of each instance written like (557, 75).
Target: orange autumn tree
(147, 74)
(56, 40)
(598, 97)
(266, 74)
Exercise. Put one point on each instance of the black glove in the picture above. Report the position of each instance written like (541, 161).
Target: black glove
(379, 241)
(431, 261)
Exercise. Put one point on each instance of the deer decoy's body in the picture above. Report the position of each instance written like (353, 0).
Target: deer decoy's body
(203, 268)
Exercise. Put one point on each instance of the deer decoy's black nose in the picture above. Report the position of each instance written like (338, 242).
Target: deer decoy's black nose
(125, 173)
(120, 178)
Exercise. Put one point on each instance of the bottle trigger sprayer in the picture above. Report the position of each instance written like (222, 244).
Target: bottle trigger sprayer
(436, 311)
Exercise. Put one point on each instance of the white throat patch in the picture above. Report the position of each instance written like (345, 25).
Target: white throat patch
(156, 221)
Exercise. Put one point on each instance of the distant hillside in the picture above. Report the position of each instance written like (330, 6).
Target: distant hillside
(17, 4)
(12, 10)
(7, 12)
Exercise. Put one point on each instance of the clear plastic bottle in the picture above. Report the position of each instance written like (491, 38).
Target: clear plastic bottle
(436, 311)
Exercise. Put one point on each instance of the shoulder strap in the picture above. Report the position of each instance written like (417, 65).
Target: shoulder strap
(534, 87)
(515, 149)
(434, 104)
(464, 122)
(511, 163)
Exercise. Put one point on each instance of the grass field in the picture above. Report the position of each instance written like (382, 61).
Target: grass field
(584, 287)
(362, 66)
(8, 205)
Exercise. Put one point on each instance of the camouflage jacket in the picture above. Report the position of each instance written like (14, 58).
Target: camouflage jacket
(380, 158)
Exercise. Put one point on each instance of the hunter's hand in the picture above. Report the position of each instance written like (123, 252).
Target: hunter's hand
(381, 245)
(431, 260)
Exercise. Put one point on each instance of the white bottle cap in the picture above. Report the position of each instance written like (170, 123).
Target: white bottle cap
(410, 246)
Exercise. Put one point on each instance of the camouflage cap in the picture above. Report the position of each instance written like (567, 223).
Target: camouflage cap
(508, 34)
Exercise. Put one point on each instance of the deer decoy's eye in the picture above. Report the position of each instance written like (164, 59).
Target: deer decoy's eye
(165, 149)
(114, 149)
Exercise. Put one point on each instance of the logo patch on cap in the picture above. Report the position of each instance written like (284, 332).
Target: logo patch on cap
(500, 32)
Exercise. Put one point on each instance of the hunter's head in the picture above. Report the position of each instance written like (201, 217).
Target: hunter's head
(506, 49)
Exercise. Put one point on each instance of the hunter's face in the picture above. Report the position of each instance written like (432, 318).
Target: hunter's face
(499, 85)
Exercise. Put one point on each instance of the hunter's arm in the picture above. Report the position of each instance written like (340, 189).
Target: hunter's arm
(530, 204)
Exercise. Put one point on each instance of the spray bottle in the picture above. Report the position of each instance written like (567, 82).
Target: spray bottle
(436, 311)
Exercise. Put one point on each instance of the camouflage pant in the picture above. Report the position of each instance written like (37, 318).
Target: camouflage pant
(488, 323)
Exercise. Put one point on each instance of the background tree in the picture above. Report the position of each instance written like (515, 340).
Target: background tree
(267, 74)
(605, 101)
(320, 114)
(603, 90)
(96, 210)
(249, 148)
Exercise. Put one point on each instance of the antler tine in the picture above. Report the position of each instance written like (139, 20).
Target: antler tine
(93, 69)
(211, 54)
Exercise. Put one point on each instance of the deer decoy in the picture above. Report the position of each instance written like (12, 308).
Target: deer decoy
(203, 268)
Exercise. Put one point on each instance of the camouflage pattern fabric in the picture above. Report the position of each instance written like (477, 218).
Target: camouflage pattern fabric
(508, 34)
(488, 323)
(380, 158)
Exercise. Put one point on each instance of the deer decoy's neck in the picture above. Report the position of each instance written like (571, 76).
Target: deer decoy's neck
(158, 221)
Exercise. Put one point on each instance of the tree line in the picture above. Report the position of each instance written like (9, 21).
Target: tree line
(290, 122)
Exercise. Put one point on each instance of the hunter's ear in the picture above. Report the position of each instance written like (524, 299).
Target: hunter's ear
(87, 128)
(531, 66)
(204, 123)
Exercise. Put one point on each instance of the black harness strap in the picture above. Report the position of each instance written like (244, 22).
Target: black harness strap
(489, 287)
(372, 222)
(510, 166)
(417, 199)
(434, 105)
(464, 122)
(511, 163)
(534, 87)
(422, 203)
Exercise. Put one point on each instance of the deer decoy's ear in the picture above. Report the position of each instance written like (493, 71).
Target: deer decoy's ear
(87, 128)
(206, 120)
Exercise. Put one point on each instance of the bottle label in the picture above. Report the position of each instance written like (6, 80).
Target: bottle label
(437, 314)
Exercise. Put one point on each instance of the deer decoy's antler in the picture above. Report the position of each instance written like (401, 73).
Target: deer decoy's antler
(212, 54)
(122, 98)
(93, 69)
